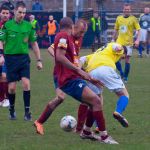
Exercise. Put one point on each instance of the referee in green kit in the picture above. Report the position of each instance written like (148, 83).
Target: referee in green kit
(14, 39)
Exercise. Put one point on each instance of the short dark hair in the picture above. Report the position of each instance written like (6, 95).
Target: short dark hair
(4, 7)
(20, 4)
(66, 23)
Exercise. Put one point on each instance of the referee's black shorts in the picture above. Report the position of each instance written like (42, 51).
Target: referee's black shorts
(18, 66)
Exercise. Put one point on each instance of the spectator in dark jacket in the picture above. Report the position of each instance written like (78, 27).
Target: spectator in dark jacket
(37, 6)
(104, 28)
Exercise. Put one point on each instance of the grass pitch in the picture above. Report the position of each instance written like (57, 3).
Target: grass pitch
(20, 135)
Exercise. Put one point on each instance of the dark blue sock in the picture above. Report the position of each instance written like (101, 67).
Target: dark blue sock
(127, 70)
(119, 67)
(11, 98)
(26, 97)
(140, 48)
(122, 104)
(148, 48)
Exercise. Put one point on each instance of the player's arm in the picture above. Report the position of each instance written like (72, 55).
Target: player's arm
(60, 57)
(35, 47)
(1, 54)
(137, 27)
(36, 51)
(115, 32)
(2, 39)
(137, 41)
(51, 50)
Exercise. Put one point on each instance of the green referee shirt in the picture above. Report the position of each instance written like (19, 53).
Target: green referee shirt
(16, 37)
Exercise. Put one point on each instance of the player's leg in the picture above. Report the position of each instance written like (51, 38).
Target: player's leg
(11, 97)
(119, 68)
(95, 112)
(5, 87)
(127, 62)
(121, 105)
(26, 98)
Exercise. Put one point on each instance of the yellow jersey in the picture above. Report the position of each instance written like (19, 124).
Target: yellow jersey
(102, 57)
(125, 28)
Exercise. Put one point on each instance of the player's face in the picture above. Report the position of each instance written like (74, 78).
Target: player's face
(4, 15)
(79, 31)
(20, 14)
(126, 10)
(146, 10)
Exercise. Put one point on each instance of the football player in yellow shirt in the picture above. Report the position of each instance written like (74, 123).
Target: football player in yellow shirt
(101, 66)
(125, 26)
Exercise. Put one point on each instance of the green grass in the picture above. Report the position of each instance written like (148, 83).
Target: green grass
(20, 135)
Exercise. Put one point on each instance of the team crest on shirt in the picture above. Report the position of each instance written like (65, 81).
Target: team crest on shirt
(123, 28)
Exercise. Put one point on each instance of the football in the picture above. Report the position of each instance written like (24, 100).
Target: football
(68, 123)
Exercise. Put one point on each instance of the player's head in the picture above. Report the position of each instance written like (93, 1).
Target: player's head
(126, 10)
(51, 18)
(4, 13)
(79, 28)
(146, 10)
(20, 11)
(32, 17)
(66, 24)
(95, 15)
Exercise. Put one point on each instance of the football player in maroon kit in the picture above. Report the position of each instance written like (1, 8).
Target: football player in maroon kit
(70, 79)
(4, 102)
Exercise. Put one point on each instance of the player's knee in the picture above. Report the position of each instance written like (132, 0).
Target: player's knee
(12, 90)
(61, 97)
(96, 103)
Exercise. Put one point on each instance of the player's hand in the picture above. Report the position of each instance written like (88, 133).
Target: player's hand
(39, 65)
(2, 60)
(84, 75)
(136, 43)
(96, 82)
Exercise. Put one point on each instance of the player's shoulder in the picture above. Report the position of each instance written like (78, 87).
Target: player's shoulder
(62, 34)
(119, 16)
(133, 17)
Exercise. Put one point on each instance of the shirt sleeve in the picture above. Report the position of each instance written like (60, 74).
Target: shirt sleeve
(32, 36)
(3, 34)
(62, 43)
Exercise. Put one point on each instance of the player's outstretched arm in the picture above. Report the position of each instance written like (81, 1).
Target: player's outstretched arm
(1, 54)
(36, 50)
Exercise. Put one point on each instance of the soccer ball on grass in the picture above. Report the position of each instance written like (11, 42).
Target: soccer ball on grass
(68, 123)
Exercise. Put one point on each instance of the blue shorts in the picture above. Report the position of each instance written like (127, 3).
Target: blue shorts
(75, 88)
(4, 70)
(55, 82)
(18, 66)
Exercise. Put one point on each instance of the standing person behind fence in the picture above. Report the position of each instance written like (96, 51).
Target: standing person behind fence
(52, 29)
(104, 28)
(95, 25)
(37, 6)
(145, 32)
(34, 23)
(124, 29)
(16, 35)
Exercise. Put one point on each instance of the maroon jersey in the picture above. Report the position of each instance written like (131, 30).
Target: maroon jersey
(71, 46)
(1, 24)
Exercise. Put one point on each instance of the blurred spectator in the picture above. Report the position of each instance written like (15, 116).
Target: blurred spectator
(53, 28)
(8, 4)
(104, 28)
(95, 25)
(145, 32)
(34, 23)
(37, 6)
